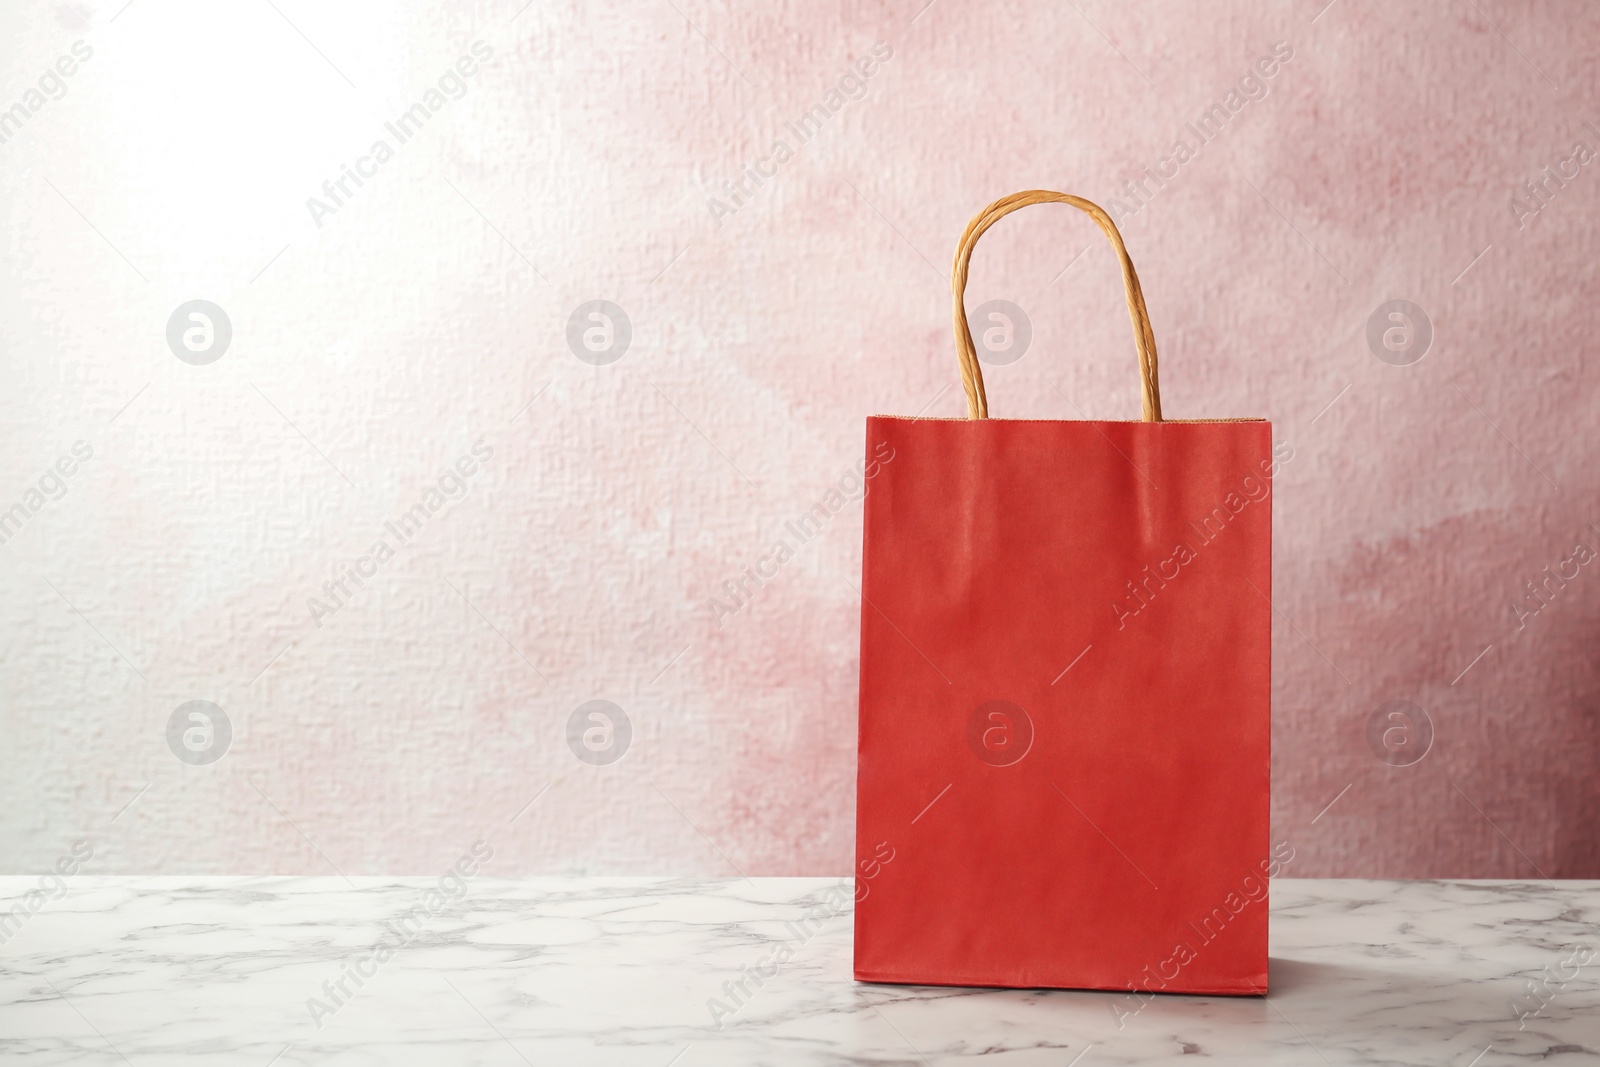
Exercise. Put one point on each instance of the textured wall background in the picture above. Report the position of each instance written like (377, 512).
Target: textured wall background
(376, 342)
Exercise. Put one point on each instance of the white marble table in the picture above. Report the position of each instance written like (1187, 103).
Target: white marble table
(620, 972)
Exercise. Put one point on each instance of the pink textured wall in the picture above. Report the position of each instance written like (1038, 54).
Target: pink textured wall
(379, 338)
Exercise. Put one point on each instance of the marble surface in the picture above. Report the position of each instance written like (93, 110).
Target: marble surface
(475, 970)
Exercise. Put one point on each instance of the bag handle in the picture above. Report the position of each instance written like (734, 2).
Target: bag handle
(1143, 338)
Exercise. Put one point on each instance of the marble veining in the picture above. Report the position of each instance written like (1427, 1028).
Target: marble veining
(647, 972)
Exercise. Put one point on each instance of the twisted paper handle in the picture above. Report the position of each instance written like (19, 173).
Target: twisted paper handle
(1144, 339)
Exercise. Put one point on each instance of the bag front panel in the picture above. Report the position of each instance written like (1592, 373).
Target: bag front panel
(1064, 705)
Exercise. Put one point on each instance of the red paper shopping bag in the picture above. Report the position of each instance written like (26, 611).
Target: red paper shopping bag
(1065, 691)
